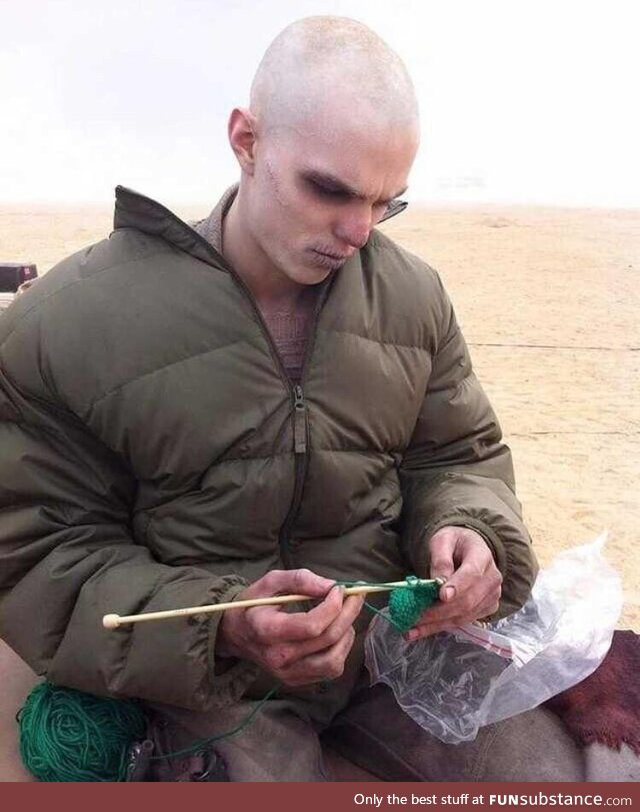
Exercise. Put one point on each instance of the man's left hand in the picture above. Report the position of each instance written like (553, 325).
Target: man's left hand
(473, 582)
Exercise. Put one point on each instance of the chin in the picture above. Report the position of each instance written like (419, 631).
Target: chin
(309, 276)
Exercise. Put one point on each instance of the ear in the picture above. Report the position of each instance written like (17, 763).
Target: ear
(242, 137)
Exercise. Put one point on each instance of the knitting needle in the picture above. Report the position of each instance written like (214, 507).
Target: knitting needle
(113, 621)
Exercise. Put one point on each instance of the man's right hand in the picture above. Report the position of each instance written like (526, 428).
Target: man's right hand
(297, 648)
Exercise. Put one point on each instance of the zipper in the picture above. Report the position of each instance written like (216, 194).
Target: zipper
(300, 462)
(300, 441)
(299, 415)
(299, 411)
(299, 421)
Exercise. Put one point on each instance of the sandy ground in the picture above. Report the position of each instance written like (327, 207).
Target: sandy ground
(549, 300)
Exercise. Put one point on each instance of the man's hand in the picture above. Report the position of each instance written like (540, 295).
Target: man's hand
(297, 648)
(473, 582)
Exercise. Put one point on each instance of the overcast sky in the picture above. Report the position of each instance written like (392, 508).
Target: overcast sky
(522, 100)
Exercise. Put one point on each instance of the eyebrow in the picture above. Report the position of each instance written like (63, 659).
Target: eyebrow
(336, 185)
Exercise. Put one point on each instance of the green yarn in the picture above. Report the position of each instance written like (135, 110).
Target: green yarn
(202, 744)
(406, 604)
(67, 735)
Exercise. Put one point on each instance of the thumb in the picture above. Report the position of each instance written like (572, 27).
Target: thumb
(441, 549)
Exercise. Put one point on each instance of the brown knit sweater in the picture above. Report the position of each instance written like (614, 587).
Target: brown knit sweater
(288, 325)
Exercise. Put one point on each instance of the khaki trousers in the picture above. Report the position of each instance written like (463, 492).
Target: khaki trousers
(374, 733)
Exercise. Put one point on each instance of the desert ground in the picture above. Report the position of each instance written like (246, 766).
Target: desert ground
(549, 301)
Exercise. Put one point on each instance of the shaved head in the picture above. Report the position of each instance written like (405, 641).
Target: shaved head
(321, 69)
(325, 146)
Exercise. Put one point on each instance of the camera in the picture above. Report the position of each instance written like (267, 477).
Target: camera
(12, 275)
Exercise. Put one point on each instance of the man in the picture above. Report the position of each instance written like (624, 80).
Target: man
(276, 399)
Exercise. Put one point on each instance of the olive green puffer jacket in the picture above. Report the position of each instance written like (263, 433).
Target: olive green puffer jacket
(154, 454)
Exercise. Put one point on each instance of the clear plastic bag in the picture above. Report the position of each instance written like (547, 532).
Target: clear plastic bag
(453, 683)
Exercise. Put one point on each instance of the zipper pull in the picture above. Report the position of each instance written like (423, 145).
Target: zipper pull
(299, 421)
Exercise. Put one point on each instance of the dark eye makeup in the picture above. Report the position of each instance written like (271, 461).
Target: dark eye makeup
(325, 188)
(336, 194)
(326, 191)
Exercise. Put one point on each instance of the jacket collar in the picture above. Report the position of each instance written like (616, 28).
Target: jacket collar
(203, 240)
(134, 210)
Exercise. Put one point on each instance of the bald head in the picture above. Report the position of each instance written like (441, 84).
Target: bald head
(327, 144)
(320, 70)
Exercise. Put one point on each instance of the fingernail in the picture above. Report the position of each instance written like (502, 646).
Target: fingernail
(449, 593)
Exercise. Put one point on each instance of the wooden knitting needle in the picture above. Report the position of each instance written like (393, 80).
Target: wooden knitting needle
(113, 621)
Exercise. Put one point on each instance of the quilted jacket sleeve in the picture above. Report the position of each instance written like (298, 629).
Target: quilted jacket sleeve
(458, 472)
(67, 557)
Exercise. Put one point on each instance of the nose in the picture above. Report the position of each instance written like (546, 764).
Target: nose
(353, 227)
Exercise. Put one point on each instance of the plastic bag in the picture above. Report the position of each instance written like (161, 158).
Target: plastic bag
(453, 683)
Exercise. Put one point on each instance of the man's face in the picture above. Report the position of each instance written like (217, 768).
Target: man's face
(316, 194)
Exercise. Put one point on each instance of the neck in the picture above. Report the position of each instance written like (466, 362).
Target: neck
(269, 286)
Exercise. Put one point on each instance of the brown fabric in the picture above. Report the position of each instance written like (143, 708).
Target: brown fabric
(290, 329)
(605, 707)
(289, 326)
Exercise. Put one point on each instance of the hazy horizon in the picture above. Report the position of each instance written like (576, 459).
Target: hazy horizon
(522, 104)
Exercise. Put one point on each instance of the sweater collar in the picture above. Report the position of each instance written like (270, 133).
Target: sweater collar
(211, 227)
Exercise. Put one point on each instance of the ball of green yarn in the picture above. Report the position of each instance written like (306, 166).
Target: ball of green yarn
(407, 604)
(67, 735)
